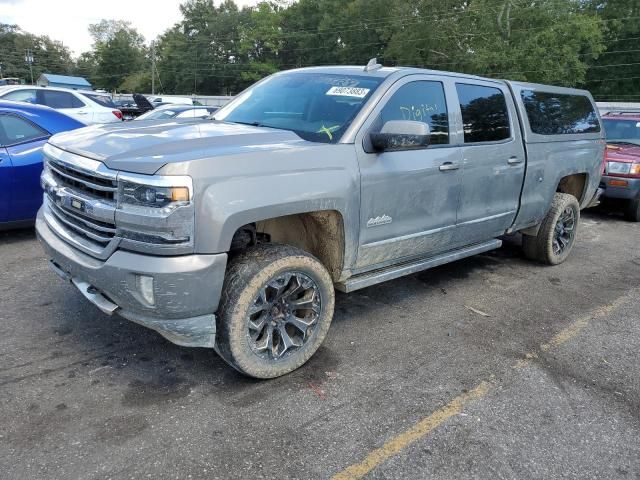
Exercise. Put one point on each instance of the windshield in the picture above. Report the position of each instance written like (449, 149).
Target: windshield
(622, 131)
(318, 107)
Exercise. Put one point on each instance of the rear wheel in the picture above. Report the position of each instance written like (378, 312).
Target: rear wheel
(557, 233)
(632, 213)
(276, 308)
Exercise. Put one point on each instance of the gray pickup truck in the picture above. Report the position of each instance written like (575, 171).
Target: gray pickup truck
(233, 232)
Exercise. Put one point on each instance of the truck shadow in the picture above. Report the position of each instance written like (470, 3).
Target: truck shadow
(8, 237)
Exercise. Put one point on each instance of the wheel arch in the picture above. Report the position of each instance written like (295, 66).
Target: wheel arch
(319, 232)
(575, 184)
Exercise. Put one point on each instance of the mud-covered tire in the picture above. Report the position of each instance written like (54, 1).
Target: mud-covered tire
(632, 212)
(248, 274)
(541, 247)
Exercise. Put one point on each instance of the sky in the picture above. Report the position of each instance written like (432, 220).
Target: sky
(67, 20)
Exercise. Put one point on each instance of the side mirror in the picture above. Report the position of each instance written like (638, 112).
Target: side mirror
(401, 135)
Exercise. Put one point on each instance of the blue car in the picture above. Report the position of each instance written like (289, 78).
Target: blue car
(24, 129)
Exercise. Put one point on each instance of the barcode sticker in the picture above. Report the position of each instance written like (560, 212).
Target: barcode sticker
(348, 92)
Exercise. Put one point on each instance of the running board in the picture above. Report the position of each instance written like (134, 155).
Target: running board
(378, 276)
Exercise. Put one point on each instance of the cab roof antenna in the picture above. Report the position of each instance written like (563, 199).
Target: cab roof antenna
(372, 65)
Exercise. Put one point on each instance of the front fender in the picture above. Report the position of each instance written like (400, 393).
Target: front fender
(268, 187)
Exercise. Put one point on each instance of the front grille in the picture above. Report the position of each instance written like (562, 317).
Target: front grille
(93, 185)
(81, 203)
(89, 228)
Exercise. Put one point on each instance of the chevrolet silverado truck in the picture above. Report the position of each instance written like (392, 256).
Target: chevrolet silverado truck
(621, 178)
(233, 233)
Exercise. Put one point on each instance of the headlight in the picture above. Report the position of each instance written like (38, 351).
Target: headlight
(157, 192)
(619, 167)
(155, 213)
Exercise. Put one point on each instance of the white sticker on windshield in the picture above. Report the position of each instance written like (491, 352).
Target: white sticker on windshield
(638, 125)
(348, 92)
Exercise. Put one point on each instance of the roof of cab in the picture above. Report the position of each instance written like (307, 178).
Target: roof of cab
(384, 72)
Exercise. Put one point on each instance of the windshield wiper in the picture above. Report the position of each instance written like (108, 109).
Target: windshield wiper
(253, 124)
(622, 142)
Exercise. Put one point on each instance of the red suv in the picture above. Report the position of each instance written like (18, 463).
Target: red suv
(622, 161)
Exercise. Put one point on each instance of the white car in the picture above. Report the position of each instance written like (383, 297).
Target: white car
(85, 106)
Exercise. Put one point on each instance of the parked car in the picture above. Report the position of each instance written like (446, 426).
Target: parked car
(24, 129)
(86, 106)
(9, 81)
(622, 169)
(177, 111)
(135, 108)
(232, 233)
(173, 100)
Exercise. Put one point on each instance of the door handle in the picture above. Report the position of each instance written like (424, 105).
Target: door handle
(83, 113)
(446, 166)
(514, 160)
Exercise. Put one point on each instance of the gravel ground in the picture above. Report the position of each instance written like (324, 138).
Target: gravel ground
(491, 367)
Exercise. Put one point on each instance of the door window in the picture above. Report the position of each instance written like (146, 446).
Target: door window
(14, 130)
(421, 101)
(484, 113)
(559, 114)
(58, 99)
(27, 95)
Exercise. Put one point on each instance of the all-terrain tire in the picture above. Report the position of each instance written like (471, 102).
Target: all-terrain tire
(632, 212)
(246, 277)
(541, 246)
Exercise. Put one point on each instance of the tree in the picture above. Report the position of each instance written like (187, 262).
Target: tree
(615, 75)
(119, 52)
(539, 41)
(49, 56)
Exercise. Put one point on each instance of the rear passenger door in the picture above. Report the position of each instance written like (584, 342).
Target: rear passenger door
(67, 103)
(493, 161)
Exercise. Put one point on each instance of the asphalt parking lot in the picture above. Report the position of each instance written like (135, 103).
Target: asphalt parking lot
(492, 367)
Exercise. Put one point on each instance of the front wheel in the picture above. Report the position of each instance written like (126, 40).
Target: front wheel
(276, 308)
(557, 233)
(632, 213)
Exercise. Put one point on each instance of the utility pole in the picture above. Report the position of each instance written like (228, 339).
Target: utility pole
(153, 68)
(28, 57)
(1, 71)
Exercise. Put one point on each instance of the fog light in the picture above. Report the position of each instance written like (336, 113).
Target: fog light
(145, 286)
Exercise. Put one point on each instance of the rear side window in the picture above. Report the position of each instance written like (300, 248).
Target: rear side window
(57, 99)
(559, 114)
(14, 130)
(484, 113)
(102, 100)
(420, 101)
(28, 96)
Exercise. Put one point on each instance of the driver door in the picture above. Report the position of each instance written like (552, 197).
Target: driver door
(409, 199)
(5, 182)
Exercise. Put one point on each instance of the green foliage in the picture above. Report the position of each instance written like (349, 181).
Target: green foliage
(219, 48)
(49, 56)
(119, 51)
(622, 39)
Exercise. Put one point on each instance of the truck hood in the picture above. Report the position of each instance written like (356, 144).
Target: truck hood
(620, 152)
(147, 147)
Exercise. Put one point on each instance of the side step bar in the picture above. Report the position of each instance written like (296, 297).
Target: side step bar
(378, 276)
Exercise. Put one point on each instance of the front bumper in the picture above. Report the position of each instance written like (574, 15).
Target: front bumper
(186, 288)
(629, 191)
